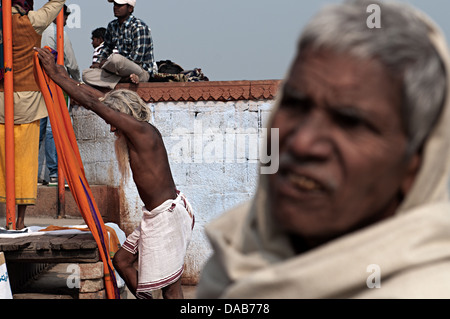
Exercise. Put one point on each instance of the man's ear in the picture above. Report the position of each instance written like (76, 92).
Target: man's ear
(411, 172)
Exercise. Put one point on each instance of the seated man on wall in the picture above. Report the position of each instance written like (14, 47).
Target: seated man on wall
(159, 244)
(98, 42)
(134, 60)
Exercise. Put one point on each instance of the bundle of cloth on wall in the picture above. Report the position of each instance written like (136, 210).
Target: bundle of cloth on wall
(169, 71)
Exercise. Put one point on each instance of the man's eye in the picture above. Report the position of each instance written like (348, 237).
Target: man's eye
(298, 105)
(348, 121)
(354, 121)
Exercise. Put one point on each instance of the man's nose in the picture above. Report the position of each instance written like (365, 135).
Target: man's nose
(312, 137)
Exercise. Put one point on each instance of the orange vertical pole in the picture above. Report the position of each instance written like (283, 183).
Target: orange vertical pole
(9, 116)
(60, 61)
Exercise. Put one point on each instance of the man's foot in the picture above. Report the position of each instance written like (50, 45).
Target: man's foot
(134, 78)
(20, 225)
(42, 182)
(53, 181)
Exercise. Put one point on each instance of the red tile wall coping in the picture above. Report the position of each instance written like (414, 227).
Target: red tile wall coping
(152, 92)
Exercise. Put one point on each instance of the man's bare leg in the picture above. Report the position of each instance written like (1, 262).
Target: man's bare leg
(173, 291)
(20, 222)
(124, 264)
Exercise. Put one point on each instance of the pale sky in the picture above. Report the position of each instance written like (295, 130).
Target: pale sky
(227, 39)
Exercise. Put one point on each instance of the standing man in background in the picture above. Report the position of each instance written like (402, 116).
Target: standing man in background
(49, 39)
(134, 61)
(70, 62)
(29, 104)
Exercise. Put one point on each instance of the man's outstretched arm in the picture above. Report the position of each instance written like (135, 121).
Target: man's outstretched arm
(87, 96)
(79, 92)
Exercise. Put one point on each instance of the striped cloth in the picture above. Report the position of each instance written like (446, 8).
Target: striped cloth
(161, 240)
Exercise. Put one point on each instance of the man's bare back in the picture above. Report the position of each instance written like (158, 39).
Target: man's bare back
(150, 166)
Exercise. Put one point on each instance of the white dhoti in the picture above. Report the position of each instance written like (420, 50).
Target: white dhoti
(161, 240)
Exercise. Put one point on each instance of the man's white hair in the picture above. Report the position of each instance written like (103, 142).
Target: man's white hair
(402, 44)
(128, 102)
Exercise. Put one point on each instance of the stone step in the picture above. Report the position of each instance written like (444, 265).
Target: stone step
(106, 197)
(52, 284)
(28, 296)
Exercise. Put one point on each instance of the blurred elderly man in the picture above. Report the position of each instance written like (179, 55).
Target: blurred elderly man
(360, 205)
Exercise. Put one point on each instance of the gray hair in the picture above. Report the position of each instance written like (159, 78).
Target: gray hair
(128, 102)
(402, 45)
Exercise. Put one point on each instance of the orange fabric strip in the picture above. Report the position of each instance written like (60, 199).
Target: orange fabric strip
(69, 157)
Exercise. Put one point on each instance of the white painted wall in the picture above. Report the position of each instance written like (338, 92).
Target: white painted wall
(213, 149)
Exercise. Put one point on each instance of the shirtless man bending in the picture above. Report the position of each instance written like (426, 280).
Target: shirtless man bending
(139, 146)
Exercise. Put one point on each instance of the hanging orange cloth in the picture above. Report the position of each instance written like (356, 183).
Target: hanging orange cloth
(69, 157)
